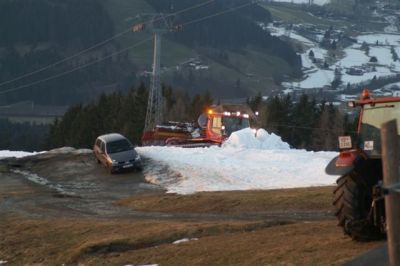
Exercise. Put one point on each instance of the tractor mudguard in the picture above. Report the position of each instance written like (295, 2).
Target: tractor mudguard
(344, 163)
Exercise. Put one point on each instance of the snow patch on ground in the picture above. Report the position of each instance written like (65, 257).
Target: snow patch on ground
(184, 240)
(186, 171)
(63, 150)
(16, 154)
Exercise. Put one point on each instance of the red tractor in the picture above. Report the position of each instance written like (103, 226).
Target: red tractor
(358, 198)
(212, 128)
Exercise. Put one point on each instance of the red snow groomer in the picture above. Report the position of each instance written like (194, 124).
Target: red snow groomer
(212, 128)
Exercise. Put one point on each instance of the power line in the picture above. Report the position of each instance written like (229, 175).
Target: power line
(125, 49)
(75, 69)
(63, 60)
(96, 45)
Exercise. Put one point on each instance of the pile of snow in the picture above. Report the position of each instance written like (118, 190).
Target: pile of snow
(260, 139)
(241, 164)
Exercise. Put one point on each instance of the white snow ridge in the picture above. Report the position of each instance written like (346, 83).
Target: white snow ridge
(251, 139)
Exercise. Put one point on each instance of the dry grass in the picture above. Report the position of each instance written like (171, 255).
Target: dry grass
(90, 241)
(57, 241)
(317, 243)
(3, 168)
(235, 202)
(116, 242)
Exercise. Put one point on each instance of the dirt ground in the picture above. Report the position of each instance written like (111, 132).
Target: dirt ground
(65, 209)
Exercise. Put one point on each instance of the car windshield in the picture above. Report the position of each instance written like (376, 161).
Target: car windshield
(118, 146)
(374, 115)
(234, 124)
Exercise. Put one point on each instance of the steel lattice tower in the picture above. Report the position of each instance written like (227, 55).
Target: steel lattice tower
(155, 102)
(159, 25)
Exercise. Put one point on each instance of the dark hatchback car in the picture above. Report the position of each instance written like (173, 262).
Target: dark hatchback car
(116, 153)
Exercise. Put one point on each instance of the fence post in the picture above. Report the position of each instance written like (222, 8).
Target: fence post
(390, 166)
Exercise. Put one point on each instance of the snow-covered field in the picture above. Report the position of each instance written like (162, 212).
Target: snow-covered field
(245, 162)
(354, 57)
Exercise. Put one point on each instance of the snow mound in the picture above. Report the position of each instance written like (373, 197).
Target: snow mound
(186, 171)
(250, 139)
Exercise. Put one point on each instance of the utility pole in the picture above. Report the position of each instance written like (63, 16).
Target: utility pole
(391, 179)
(155, 102)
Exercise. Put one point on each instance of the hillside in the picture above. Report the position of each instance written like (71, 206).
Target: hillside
(342, 52)
(29, 42)
(229, 55)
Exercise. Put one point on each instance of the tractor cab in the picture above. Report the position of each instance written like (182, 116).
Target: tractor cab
(373, 113)
(224, 119)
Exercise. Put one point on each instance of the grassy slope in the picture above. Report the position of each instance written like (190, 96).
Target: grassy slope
(90, 241)
(124, 14)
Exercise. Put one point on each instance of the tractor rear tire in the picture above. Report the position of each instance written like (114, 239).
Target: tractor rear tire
(352, 201)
